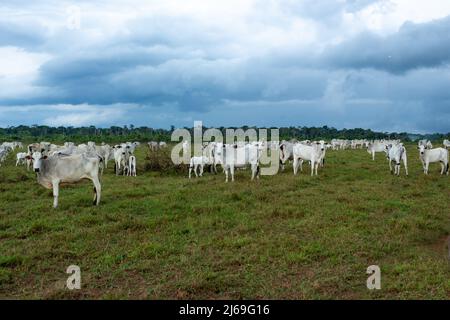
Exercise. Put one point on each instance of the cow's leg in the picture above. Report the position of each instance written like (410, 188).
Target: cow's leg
(55, 184)
(226, 173)
(390, 166)
(97, 190)
(232, 173)
(373, 155)
(405, 162)
(253, 171)
(201, 170)
(427, 165)
(442, 168)
(195, 170)
(295, 166)
(190, 171)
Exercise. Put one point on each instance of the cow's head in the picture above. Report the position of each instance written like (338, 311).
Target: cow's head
(421, 149)
(37, 161)
(321, 145)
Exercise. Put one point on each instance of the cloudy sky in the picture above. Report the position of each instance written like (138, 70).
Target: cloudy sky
(380, 64)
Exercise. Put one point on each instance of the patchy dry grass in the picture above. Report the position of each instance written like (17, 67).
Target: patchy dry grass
(161, 236)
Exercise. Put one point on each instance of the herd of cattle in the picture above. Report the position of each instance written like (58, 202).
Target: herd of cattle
(71, 163)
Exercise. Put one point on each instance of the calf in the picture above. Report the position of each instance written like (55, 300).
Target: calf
(428, 156)
(197, 163)
(21, 158)
(53, 170)
(132, 166)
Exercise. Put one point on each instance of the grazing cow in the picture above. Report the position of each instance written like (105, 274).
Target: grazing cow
(132, 166)
(446, 144)
(153, 145)
(162, 144)
(312, 153)
(196, 163)
(239, 157)
(53, 170)
(396, 153)
(428, 156)
(374, 147)
(21, 158)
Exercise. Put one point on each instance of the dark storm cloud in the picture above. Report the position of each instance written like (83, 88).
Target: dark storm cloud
(413, 46)
(176, 68)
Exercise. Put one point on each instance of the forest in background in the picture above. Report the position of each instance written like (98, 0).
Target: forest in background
(132, 133)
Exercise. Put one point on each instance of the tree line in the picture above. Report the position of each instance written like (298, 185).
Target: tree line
(132, 133)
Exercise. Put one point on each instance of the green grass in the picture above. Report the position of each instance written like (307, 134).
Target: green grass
(161, 236)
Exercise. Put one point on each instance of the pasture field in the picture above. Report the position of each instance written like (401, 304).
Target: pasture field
(161, 236)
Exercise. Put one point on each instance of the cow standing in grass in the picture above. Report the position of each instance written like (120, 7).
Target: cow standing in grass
(312, 153)
(428, 156)
(374, 147)
(397, 153)
(197, 163)
(54, 170)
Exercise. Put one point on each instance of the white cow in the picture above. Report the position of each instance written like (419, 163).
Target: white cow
(21, 158)
(153, 145)
(286, 154)
(446, 144)
(428, 156)
(53, 170)
(132, 166)
(374, 147)
(312, 153)
(218, 155)
(121, 159)
(239, 157)
(397, 153)
(197, 163)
